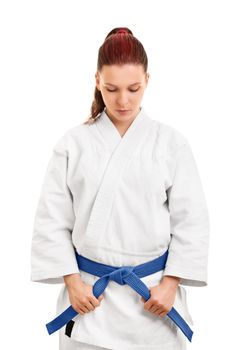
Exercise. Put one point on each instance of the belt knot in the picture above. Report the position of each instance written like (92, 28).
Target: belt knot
(119, 274)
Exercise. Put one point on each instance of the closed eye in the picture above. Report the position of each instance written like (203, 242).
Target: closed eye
(129, 90)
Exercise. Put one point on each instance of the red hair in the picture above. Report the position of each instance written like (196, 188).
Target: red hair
(119, 47)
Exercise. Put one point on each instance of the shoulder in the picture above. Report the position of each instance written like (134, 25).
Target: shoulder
(168, 139)
(73, 136)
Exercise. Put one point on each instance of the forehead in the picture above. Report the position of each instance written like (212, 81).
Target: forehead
(120, 75)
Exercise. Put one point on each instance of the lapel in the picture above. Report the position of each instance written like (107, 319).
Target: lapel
(110, 133)
(122, 149)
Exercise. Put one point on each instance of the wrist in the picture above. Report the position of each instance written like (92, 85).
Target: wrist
(72, 278)
(171, 281)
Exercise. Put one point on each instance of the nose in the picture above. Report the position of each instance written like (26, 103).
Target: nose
(122, 100)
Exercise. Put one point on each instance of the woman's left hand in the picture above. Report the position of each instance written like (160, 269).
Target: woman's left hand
(162, 296)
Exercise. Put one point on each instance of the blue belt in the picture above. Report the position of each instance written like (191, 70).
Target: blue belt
(122, 275)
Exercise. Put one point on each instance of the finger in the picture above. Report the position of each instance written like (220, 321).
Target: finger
(94, 301)
(100, 298)
(154, 305)
(91, 298)
(79, 309)
(154, 309)
(83, 310)
(89, 306)
(161, 310)
(147, 306)
(162, 314)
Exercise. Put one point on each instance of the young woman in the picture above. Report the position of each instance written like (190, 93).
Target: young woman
(122, 218)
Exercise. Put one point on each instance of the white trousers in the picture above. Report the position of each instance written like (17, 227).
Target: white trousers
(66, 343)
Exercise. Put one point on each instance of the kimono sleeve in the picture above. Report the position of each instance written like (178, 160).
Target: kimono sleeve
(52, 250)
(189, 222)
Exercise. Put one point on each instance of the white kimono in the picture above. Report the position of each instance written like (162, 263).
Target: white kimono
(122, 201)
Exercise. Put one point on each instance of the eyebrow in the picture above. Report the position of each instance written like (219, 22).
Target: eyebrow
(129, 85)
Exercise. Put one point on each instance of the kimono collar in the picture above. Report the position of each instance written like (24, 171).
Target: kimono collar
(110, 132)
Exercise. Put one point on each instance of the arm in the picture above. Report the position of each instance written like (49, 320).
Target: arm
(52, 251)
(188, 249)
(189, 222)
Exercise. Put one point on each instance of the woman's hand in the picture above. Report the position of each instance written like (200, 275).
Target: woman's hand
(162, 296)
(80, 294)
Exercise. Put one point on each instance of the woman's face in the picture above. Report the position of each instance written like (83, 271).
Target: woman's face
(122, 88)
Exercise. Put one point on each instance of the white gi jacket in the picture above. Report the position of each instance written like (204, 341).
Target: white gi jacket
(122, 201)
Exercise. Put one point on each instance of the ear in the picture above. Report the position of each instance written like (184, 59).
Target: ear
(147, 77)
(97, 80)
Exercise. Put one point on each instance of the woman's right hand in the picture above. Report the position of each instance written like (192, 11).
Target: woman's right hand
(80, 293)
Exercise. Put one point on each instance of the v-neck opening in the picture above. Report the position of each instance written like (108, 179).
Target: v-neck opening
(109, 131)
(104, 111)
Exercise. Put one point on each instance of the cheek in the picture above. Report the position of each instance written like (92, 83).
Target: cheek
(137, 97)
(108, 99)
(111, 100)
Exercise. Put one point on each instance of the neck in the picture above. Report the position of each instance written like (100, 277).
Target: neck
(121, 125)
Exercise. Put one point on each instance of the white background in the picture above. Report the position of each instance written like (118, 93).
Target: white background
(47, 66)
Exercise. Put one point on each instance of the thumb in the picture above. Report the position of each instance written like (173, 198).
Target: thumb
(100, 297)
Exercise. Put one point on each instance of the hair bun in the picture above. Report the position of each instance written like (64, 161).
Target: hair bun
(122, 31)
(119, 30)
